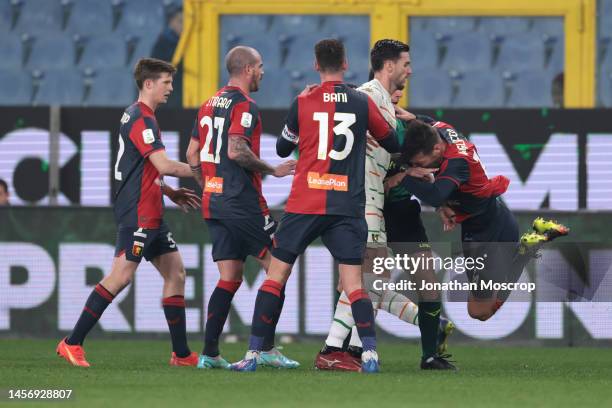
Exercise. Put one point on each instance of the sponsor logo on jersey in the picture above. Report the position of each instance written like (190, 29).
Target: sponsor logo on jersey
(213, 185)
(147, 136)
(137, 248)
(246, 119)
(327, 181)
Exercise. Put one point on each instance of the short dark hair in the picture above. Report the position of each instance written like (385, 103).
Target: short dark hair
(386, 50)
(151, 68)
(4, 185)
(330, 55)
(420, 138)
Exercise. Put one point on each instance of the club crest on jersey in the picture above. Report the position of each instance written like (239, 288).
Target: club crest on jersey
(213, 185)
(137, 248)
(147, 136)
(246, 119)
(327, 181)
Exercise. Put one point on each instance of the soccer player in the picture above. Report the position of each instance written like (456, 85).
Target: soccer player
(466, 195)
(224, 156)
(328, 124)
(141, 164)
(390, 60)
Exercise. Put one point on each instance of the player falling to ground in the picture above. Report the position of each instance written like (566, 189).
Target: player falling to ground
(224, 156)
(390, 61)
(466, 195)
(328, 124)
(141, 164)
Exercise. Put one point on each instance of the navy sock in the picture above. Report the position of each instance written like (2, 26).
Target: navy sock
(363, 313)
(269, 339)
(429, 322)
(266, 305)
(96, 304)
(174, 310)
(218, 309)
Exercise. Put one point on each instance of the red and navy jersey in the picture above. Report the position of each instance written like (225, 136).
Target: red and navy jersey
(138, 198)
(475, 194)
(230, 191)
(329, 125)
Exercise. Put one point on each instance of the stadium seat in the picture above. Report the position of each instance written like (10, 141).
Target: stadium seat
(11, 50)
(605, 88)
(104, 52)
(447, 25)
(112, 87)
(52, 51)
(90, 17)
(430, 89)
(468, 51)
(551, 26)
(605, 18)
(348, 26)
(301, 78)
(141, 18)
(531, 89)
(503, 25)
(274, 90)
(15, 87)
(479, 89)
(40, 17)
(60, 87)
(521, 52)
(144, 47)
(423, 50)
(6, 16)
(295, 24)
(239, 24)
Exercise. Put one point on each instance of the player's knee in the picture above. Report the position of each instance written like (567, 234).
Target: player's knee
(178, 276)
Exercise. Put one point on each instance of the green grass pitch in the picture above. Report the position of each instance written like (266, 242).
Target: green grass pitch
(136, 374)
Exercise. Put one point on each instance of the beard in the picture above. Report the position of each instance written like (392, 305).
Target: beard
(254, 85)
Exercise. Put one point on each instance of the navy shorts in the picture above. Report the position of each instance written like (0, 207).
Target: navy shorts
(496, 243)
(345, 237)
(405, 231)
(237, 238)
(138, 242)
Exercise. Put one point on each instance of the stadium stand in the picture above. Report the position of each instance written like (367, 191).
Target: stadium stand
(16, 87)
(60, 87)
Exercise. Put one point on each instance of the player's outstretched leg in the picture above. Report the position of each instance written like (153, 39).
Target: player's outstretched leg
(71, 347)
(267, 304)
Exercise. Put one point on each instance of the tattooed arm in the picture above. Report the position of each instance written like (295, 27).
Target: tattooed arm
(239, 151)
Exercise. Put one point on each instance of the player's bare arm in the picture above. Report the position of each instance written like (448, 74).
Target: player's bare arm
(403, 114)
(168, 167)
(241, 153)
(193, 158)
(183, 197)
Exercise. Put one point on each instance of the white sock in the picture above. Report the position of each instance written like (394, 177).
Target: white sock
(400, 306)
(368, 284)
(343, 321)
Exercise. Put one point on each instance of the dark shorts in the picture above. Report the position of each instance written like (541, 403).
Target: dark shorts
(496, 244)
(141, 242)
(237, 238)
(345, 237)
(405, 231)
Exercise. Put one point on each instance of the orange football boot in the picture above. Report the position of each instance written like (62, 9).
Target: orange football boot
(190, 360)
(75, 355)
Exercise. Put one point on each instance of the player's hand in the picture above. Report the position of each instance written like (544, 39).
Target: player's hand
(423, 173)
(394, 180)
(184, 198)
(285, 168)
(447, 215)
(371, 143)
(403, 114)
(308, 89)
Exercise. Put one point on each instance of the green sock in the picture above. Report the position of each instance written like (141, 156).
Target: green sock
(429, 322)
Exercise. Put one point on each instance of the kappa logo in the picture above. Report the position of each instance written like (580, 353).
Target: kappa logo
(327, 181)
(137, 248)
(213, 185)
(125, 118)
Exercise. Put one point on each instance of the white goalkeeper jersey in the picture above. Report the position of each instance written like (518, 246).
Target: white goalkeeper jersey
(376, 164)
